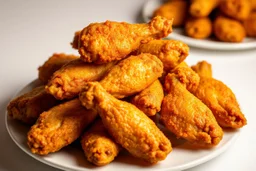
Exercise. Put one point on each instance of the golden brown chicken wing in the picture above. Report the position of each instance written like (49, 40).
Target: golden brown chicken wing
(67, 82)
(236, 9)
(202, 8)
(170, 52)
(222, 102)
(203, 69)
(98, 146)
(150, 99)
(109, 41)
(189, 78)
(176, 10)
(129, 126)
(187, 117)
(221, 29)
(198, 28)
(132, 75)
(55, 62)
(30, 105)
(59, 127)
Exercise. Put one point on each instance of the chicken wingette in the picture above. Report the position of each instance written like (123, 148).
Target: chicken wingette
(30, 105)
(67, 82)
(150, 99)
(187, 117)
(59, 127)
(98, 146)
(132, 75)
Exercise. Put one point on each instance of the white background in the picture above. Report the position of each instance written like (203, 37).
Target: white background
(30, 31)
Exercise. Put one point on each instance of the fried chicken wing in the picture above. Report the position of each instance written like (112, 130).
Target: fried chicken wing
(202, 8)
(132, 75)
(170, 52)
(236, 9)
(222, 102)
(198, 28)
(203, 69)
(109, 41)
(189, 78)
(59, 127)
(55, 62)
(176, 10)
(250, 25)
(221, 29)
(187, 117)
(67, 82)
(128, 125)
(150, 99)
(30, 105)
(98, 146)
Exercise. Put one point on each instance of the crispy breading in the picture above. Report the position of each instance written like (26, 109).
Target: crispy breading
(128, 125)
(98, 146)
(55, 62)
(109, 41)
(30, 105)
(59, 127)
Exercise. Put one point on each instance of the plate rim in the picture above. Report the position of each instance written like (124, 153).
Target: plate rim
(187, 165)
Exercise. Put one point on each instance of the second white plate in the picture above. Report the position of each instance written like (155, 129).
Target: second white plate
(178, 34)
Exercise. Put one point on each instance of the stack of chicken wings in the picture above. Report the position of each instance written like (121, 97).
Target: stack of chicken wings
(106, 97)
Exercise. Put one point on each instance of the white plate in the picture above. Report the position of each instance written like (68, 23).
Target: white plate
(182, 157)
(178, 34)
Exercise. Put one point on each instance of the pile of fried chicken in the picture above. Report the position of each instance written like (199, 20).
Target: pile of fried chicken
(107, 96)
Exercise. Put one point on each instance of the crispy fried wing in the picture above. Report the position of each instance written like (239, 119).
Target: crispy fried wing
(59, 127)
(203, 69)
(30, 105)
(187, 117)
(98, 146)
(67, 82)
(55, 62)
(150, 99)
(221, 100)
(129, 126)
(189, 78)
(132, 75)
(170, 52)
(109, 41)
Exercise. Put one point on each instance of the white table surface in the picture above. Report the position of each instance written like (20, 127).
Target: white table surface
(30, 31)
